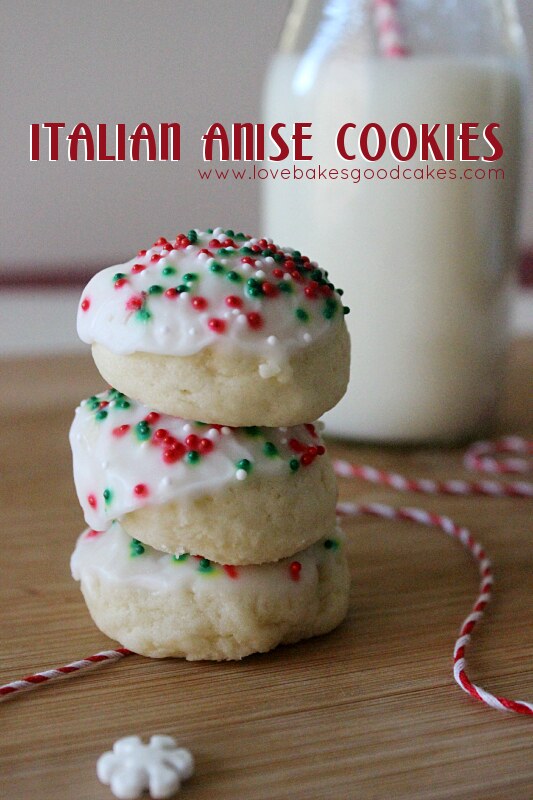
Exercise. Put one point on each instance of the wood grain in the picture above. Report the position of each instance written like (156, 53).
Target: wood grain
(368, 712)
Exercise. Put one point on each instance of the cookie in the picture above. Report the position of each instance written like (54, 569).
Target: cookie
(243, 495)
(161, 605)
(222, 328)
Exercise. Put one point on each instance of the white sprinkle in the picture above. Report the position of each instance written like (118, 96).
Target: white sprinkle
(284, 440)
(212, 434)
(314, 264)
(192, 331)
(241, 319)
(149, 253)
(187, 428)
(225, 431)
(268, 370)
(246, 267)
(269, 260)
(307, 337)
(217, 232)
(209, 261)
(224, 261)
(260, 274)
(272, 340)
(270, 241)
(183, 296)
(165, 483)
(228, 314)
(190, 248)
(254, 241)
(235, 312)
(287, 277)
(241, 474)
(203, 257)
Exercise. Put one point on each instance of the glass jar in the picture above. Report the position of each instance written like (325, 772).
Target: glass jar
(426, 260)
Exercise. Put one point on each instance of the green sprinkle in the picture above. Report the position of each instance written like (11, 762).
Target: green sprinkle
(118, 275)
(270, 449)
(302, 315)
(330, 307)
(182, 288)
(346, 310)
(296, 254)
(316, 275)
(182, 557)
(142, 430)
(216, 267)
(285, 286)
(252, 430)
(102, 414)
(204, 565)
(234, 276)
(230, 233)
(266, 253)
(253, 288)
(192, 236)
(192, 457)
(122, 404)
(108, 496)
(209, 230)
(340, 292)
(143, 314)
(246, 251)
(277, 257)
(240, 236)
(169, 271)
(93, 403)
(189, 277)
(294, 464)
(331, 544)
(244, 464)
(225, 251)
(155, 289)
(136, 548)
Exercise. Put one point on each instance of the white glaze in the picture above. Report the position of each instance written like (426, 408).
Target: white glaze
(104, 461)
(108, 555)
(175, 327)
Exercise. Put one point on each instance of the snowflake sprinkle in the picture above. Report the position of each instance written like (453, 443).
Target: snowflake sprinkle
(133, 767)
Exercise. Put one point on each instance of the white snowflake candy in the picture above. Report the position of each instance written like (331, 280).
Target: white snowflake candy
(133, 767)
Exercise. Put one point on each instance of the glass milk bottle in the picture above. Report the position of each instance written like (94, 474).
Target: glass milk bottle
(426, 262)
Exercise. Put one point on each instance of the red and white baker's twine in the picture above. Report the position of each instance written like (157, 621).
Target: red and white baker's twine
(390, 37)
(481, 456)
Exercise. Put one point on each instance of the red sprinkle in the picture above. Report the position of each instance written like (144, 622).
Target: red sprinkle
(134, 303)
(141, 253)
(156, 257)
(199, 303)
(307, 459)
(217, 325)
(205, 446)
(152, 417)
(139, 267)
(85, 304)
(231, 570)
(103, 403)
(121, 430)
(326, 290)
(255, 320)
(269, 289)
(160, 241)
(310, 428)
(296, 446)
(91, 499)
(215, 243)
(247, 260)
(174, 452)
(141, 490)
(233, 301)
(192, 441)
(295, 568)
(277, 272)
(160, 435)
(120, 283)
(92, 533)
(171, 293)
(321, 449)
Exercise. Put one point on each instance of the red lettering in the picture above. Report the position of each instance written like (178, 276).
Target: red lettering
(143, 133)
(236, 141)
(279, 141)
(216, 133)
(101, 144)
(411, 142)
(120, 133)
(53, 139)
(164, 129)
(80, 133)
(429, 144)
(340, 141)
(465, 137)
(381, 144)
(298, 136)
(492, 141)
(35, 129)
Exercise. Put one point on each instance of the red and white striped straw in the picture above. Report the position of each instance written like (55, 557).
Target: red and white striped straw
(390, 36)
(31, 681)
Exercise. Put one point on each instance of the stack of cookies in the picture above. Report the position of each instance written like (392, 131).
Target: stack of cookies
(210, 497)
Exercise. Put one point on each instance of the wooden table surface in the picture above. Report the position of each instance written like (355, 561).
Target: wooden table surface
(369, 711)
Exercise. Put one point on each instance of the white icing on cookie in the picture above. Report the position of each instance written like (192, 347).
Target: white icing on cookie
(210, 289)
(114, 556)
(126, 456)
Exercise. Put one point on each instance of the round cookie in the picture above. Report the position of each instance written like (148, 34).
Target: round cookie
(220, 327)
(160, 605)
(237, 495)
